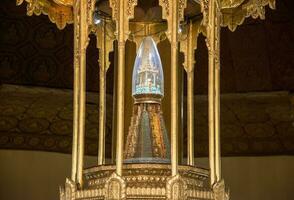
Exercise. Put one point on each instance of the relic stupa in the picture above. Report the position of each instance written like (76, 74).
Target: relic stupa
(147, 139)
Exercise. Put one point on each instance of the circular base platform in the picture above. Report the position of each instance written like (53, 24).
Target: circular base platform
(146, 181)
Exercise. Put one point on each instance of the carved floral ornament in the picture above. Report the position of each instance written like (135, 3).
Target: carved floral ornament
(60, 14)
(234, 12)
(124, 9)
(233, 16)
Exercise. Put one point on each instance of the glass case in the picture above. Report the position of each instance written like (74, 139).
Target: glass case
(147, 72)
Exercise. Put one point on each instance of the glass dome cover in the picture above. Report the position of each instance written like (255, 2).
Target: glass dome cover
(147, 73)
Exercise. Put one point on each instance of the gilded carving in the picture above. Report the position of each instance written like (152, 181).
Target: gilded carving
(140, 30)
(204, 10)
(131, 143)
(256, 8)
(176, 188)
(105, 46)
(90, 11)
(104, 42)
(64, 2)
(81, 40)
(165, 8)
(235, 11)
(127, 9)
(174, 15)
(68, 191)
(189, 44)
(212, 41)
(213, 33)
(234, 15)
(61, 15)
(181, 7)
(155, 182)
(130, 8)
(231, 3)
(115, 188)
(122, 11)
(158, 141)
(114, 4)
(219, 191)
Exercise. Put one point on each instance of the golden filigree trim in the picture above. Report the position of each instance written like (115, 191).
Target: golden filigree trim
(64, 2)
(132, 137)
(232, 17)
(115, 188)
(159, 149)
(231, 3)
(59, 14)
(219, 191)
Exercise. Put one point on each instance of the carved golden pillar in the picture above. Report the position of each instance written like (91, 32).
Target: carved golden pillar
(120, 107)
(102, 115)
(114, 120)
(188, 46)
(80, 45)
(122, 11)
(105, 45)
(190, 118)
(75, 97)
(173, 12)
(174, 92)
(174, 103)
(217, 95)
(213, 44)
(181, 74)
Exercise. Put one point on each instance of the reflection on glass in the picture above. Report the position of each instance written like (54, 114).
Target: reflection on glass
(147, 73)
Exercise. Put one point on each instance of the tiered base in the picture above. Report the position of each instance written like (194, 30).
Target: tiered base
(140, 181)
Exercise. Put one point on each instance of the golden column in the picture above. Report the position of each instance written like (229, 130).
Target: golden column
(75, 97)
(105, 46)
(174, 88)
(80, 46)
(122, 11)
(173, 12)
(190, 96)
(114, 120)
(188, 47)
(213, 44)
(120, 107)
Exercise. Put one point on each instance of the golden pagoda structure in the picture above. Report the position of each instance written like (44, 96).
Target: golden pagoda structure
(146, 164)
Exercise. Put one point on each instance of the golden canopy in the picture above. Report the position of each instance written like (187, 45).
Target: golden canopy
(234, 12)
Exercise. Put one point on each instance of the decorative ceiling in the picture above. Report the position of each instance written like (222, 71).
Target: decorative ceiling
(257, 57)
